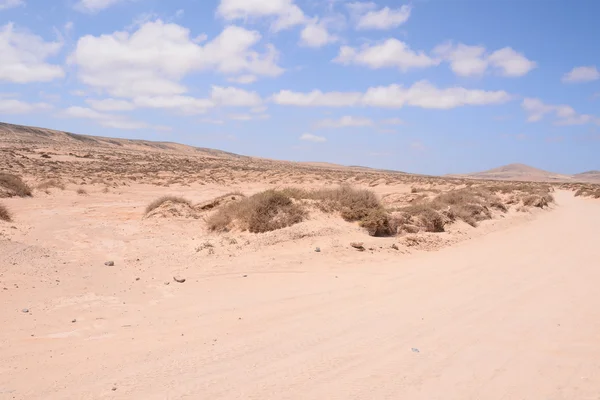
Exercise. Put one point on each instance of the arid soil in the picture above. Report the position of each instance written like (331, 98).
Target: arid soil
(474, 289)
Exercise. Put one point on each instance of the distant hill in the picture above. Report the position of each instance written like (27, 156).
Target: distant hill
(522, 172)
(42, 136)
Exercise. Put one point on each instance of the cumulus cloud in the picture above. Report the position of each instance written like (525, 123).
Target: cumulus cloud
(284, 13)
(386, 18)
(153, 60)
(107, 120)
(24, 57)
(94, 6)
(421, 94)
(315, 34)
(13, 106)
(390, 53)
(475, 60)
(536, 110)
(6, 4)
(187, 105)
(344, 122)
(110, 105)
(243, 79)
(309, 137)
(582, 74)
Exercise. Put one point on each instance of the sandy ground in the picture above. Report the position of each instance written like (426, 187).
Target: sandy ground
(510, 314)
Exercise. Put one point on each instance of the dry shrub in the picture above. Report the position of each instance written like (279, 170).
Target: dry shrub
(263, 212)
(51, 183)
(535, 200)
(379, 223)
(82, 192)
(158, 202)
(5, 215)
(12, 185)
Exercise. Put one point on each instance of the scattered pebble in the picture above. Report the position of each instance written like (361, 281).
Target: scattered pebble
(25, 310)
(179, 279)
(415, 350)
(74, 320)
(137, 279)
(109, 263)
(245, 276)
(394, 246)
(167, 283)
(114, 388)
(318, 250)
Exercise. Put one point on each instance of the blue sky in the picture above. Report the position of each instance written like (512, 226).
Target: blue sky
(427, 86)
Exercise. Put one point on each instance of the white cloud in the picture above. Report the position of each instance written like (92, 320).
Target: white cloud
(94, 6)
(474, 60)
(316, 98)
(212, 121)
(284, 12)
(6, 4)
(107, 120)
(315, 34)
(391, 53)
(248, 117)
(564, 114)
(344, 122)
(582, 74)
(386, 18)
(110, 105)
(13, 106)
(243, 79)
(24, 57)
(153, 60)
(421, 94)
(309, 137)
(234, 97)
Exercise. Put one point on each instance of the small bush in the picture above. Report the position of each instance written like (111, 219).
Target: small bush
(379, 223)
(5, 215)
(263, 212)
(158, 202)
(13, 186)
(82, 192)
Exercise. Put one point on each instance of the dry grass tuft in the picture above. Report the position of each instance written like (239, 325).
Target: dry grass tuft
(12, 185)
(5, 215)
(51, 183)
(158, 202)
(263, 212)
(82, 192)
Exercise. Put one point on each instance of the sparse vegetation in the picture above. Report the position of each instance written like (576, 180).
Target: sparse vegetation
(263, 212)
(82, 192)
(5, 215)
(13, 185)
(158, 202)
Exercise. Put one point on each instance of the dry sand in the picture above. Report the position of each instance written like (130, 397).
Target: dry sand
(513, 314)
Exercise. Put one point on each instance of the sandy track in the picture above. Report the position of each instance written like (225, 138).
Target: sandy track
(511, 315)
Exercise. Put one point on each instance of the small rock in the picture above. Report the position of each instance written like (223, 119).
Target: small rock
(25, 310)
(178, 279)
(114, 388)
(358, 246)
(109, 263)
(395, 247)
(137, 279)
(318, 250)
(245, 276)
(74, 320)
(167, 283)
(415, 350)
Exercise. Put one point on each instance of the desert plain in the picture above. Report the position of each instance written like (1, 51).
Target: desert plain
(145, 270)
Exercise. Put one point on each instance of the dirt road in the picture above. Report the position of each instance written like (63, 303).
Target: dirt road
(511, 315)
